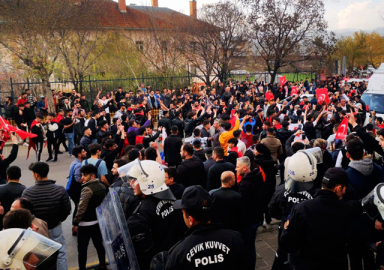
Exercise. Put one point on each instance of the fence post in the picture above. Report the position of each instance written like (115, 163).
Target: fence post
(27, 83)
(11, 82)
(90, 87)
(142, 79)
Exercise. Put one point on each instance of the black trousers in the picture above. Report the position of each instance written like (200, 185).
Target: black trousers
(39, 150)
(62, 141)
(84, 234)
(360, 255)
(53, 143)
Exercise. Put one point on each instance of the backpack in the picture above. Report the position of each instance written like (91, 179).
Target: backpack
(73, 187)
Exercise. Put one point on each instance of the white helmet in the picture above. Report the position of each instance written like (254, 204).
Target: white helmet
(149, 175)
(24, 249)
(302, 171)
(373, 203)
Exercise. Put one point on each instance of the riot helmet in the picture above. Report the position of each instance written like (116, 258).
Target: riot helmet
(22, 249)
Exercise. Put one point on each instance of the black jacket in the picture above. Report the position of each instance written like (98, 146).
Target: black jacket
(172, 146)
(4, 164)
(8, 193)
(283, 135)
(251, 189)
(227, 208)
(214, 173)
(92, 195)
(319, 240)
(92, 124)
(158, 221)
(180, 126)
(282, 202)
(148, 139)
(191, 172)
(208, 245)
(204, 133)
(10, 110)
(190, 124)
(128, 200)
(85, 141)
(177, 190)
(39, 131)
(50, 202)
(165, 122)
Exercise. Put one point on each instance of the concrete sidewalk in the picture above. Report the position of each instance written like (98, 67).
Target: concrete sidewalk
(266, 246)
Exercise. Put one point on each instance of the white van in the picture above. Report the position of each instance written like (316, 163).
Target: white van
(374, 95)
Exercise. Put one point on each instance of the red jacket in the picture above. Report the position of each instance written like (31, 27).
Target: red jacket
(269, 96)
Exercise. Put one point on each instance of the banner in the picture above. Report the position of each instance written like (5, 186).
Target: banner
(283, 80)
(294, 91)
(8, 127)
(342, 131)
(322, 95)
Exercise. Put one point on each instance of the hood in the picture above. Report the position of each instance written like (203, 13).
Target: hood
(365, 166)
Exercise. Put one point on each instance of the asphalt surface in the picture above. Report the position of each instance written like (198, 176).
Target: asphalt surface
(58, 171)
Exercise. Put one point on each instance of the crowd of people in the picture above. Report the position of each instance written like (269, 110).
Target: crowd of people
(220, 162)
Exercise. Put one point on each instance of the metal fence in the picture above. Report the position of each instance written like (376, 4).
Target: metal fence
(90, 86)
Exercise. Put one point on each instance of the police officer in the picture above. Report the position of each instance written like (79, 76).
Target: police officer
(316, 230)
(302, 171)
(205, 245)
(155, 225)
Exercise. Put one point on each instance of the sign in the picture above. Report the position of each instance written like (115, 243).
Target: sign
(115, 233)
(342, 131)
(322, 95)
(283, 80)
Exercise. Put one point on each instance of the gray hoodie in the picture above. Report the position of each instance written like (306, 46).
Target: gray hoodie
(365, 166)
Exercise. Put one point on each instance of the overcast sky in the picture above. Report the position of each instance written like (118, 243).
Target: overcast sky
(340, 14)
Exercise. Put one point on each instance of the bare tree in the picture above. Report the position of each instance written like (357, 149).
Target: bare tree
(81, 47)
(230, 20)
(161, 43)
(283, 29)
(202, 51)
(31, 30)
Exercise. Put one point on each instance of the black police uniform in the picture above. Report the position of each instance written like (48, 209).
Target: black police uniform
(280, 208)
(316, 231)
(208, 246)
(155, 226)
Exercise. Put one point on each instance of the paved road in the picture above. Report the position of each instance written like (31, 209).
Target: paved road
(58, 171)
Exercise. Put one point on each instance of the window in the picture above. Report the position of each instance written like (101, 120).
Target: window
(192, 46)
(140, 45)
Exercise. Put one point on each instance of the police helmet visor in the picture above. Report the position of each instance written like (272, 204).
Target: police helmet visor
(373, 203)
(124, 171)
(32, 249)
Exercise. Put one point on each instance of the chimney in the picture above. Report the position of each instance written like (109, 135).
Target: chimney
(122, 6)
(155, 3)
(193, 9)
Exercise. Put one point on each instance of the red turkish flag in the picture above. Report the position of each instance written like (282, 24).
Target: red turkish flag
(283, 80)
(342, 130)
(294, 91)
(8, 127)
(322, 95)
